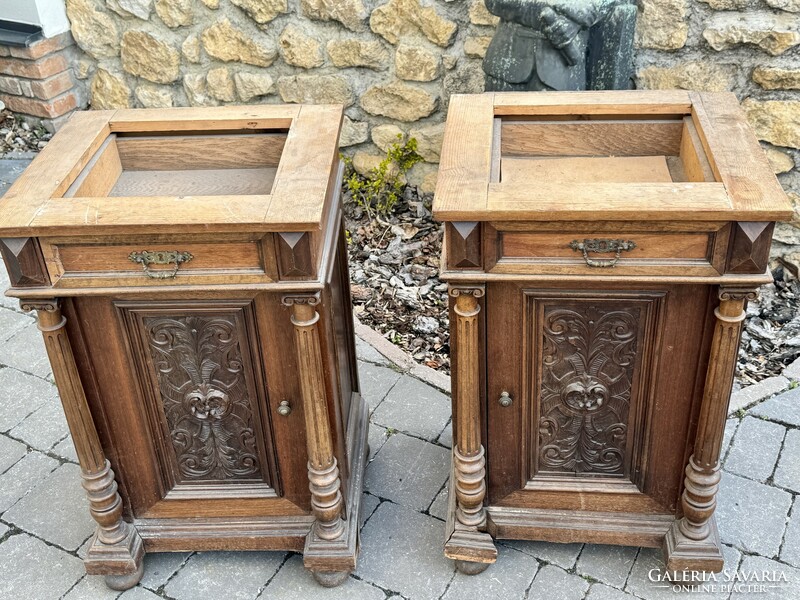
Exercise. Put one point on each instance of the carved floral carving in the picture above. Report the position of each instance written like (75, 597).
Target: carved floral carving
(588, 362)
(205, 397)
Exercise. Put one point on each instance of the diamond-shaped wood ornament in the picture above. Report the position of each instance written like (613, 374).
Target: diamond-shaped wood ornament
(294, 255)
(24, 262)
(464, 245)
(749, 247)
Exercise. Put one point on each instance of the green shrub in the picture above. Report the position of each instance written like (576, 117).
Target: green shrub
(380, 191)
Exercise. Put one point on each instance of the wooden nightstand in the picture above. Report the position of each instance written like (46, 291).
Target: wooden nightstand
(600, 249)
(189, 272)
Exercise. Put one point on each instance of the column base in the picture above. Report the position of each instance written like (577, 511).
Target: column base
(331, 561)
(684, 554)
(122, 563)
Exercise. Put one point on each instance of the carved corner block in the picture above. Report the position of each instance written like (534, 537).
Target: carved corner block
(295, 255)
(24, 261)
(749, 247)
(464, 245)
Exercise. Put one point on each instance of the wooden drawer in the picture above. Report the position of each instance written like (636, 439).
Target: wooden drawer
(661, 249)
(239, 258)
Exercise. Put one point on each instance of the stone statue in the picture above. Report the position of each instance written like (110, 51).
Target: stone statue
(561, 45)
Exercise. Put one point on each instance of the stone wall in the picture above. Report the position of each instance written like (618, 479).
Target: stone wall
(394, 63)
(750, 47)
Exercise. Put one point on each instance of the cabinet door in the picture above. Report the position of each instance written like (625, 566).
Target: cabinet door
(604, 382)
(179, 390)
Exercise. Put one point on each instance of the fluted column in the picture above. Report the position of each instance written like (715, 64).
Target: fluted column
(468, 453)
(323, 470)
(693, 543)
(117, 549)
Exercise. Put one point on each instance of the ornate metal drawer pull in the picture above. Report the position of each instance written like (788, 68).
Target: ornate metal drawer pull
(160, 257)
(505, 399)
(602, 247)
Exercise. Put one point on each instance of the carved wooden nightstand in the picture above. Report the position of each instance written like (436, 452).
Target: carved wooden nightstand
(600, 248)
(189, 272)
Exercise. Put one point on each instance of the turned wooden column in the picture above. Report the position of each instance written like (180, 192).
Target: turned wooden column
(468, 453)
(323, 470)
(694, 543)
(117, 550)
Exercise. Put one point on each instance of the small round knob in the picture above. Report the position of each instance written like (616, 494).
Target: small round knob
(505, 399)
(284, 409)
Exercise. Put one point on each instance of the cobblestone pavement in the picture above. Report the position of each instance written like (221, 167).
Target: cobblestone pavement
(45, 524)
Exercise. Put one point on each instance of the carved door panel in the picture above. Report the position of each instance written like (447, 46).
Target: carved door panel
(203, 394)
(583, 368)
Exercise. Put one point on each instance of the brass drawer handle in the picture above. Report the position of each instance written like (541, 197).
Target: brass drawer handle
(160, 257)
(601, 246)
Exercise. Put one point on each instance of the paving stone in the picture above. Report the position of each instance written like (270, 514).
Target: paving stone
(20, 395)
(3, 529)
(229, 575)
(755, 449)
(368, 505)
(554, 583)
(25, 351)
(446, 438)
(751, 516)
(731, 556)
(140, 593)
(56, 510)
(774, 590)
(730, 429)
(293, 581)
(66, 450)
(648, 562)
(376, 381)
(10, 169)
(32, 570)
(376, 438)
(790, 552)
(787, 475)
(6, 301)
(408, 471)
(367, 353)
(793, 370)
(159, 567)
(438, 508)
(92, 587)
(784, 408)
(11, 321)
(600, 591)
(10, 452)
(23, 477)
(401, 550)
(414, 407)
(563, 555)
(509, 577)
(44, 428)
(608, 564)
(758, 391)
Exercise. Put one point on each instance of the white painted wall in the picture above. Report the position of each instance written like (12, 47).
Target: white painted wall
(51, 15)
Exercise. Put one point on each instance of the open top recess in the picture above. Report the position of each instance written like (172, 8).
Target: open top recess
(603, 155)
(235, 168)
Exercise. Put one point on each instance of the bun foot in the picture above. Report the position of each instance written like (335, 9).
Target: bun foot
(127, 581)
(471, 568)
(330, 578)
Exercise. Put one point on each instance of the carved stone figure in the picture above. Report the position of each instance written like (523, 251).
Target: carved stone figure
(560, 45)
